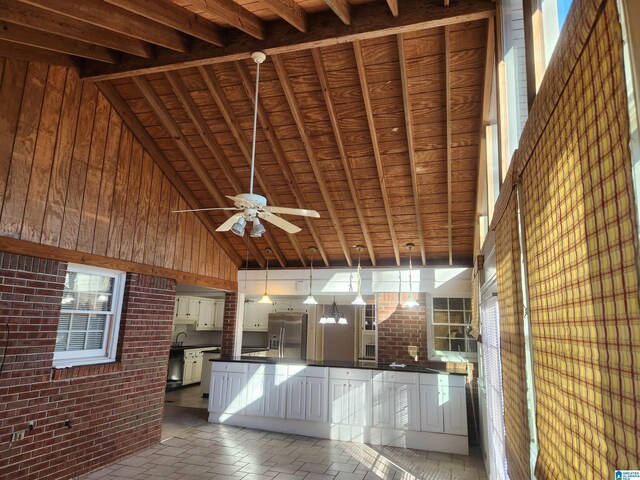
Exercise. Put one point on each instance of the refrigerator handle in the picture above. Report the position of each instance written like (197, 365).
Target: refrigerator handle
(281, 342)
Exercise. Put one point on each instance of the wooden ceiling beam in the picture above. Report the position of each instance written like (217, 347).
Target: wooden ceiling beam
(174, 16)
(208, 138)
(333, 116)
(215, 90)
(296, 112)
(410, 144)
(190, 155)
(14, 12)
(342, 8)
(235, 15)
(289, 11)
(447, 73)
(393, 6)
(47, 41)
(98, 13)
(34, 54)
(371, 20)
(278, 153)
(149, 144)
(376, 147)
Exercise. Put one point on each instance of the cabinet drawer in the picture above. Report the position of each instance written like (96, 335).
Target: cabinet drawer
(399, 377)
(350, 374)
(267, 369)
(442, 380)
(228, 367)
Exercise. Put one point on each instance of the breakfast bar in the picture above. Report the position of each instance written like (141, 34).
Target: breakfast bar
(405, 406)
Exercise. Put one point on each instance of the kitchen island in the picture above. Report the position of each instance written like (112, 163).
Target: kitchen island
(413, 407)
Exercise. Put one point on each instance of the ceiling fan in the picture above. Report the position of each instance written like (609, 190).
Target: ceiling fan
(252, 207)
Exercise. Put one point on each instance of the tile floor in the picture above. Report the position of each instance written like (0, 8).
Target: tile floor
(192, 448)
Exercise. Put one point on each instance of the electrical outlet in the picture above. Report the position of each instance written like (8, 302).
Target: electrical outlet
(17, 436)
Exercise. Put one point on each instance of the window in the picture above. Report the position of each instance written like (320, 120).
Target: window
(512, 78)
(89, 316)
(548, 19)
(451, 319)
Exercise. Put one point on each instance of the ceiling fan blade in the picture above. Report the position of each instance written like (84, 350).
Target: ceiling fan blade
(292, 211)
(240, 201)
(205, 209)
(226, 226)
(279, 222)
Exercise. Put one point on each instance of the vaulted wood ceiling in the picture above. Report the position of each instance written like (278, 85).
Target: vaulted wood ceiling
(370, 113)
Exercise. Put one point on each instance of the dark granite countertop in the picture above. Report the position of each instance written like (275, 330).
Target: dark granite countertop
(206, 347)
(337, 364)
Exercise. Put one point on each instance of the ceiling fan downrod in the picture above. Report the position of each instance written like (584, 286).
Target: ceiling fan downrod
(257, 57)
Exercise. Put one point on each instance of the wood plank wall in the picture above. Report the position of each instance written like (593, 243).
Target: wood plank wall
(73, 176)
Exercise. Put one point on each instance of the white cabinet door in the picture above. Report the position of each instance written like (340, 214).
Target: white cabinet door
(316, 402)
(432, 415)
(339, 401)
(205, 315)
(383, 408)
(296, 394)
(255, 395)
(455, 411)
(275, 393)
(194, 308)
(182, 308)
(217, 393)
(359, 396)
(196, 375)
(218, 315)
(406, 406)
(248, 321)
(262, 317)
(235, 393)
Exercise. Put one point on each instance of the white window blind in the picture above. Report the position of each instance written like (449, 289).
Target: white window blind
(491, 362)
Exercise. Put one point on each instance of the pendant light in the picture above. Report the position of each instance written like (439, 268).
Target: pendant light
(334, 315)
(411, 302)
(359, 300)
(265, 298)
(310, 300)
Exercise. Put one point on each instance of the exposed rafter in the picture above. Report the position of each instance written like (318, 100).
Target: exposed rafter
(313, 160)
(187, 150)
(376, 147)
(35, 38)
(236, 130)
(34, 54)
(447, 72)
(200, 123)
(173, 16)
(131, 120)
(393, 6)
(412, 161)
(235, 15)
(97, 12)
(20, 14)
(278, 153)
(342, 8)
(289, 11)
(333, 116)
(371, 20)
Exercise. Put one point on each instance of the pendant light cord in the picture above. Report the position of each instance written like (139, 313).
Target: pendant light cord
(255, 127)
(266, 277)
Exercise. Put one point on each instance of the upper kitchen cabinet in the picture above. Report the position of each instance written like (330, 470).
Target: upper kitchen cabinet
(202, 313)
(295, 306)
(256, 316)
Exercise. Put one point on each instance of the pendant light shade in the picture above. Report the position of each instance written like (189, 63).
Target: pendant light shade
(310, 300)
(265, 298)
(258, 229)
(238, 227)
(359, 300)
(411, 302)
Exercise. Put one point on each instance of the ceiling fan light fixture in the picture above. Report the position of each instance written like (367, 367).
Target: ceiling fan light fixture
(258, 229)
(238, 227)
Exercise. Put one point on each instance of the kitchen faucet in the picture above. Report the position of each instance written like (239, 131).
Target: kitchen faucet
(175, 342)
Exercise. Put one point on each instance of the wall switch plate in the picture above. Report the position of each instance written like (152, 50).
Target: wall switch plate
(17, 436)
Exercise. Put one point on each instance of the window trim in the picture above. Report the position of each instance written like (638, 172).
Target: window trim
(445, 356)
(112, 330)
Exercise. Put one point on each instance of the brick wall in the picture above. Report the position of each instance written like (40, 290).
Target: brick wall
(229, 325)
(115, 409)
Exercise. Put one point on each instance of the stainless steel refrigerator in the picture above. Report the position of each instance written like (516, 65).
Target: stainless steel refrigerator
(288, 335)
